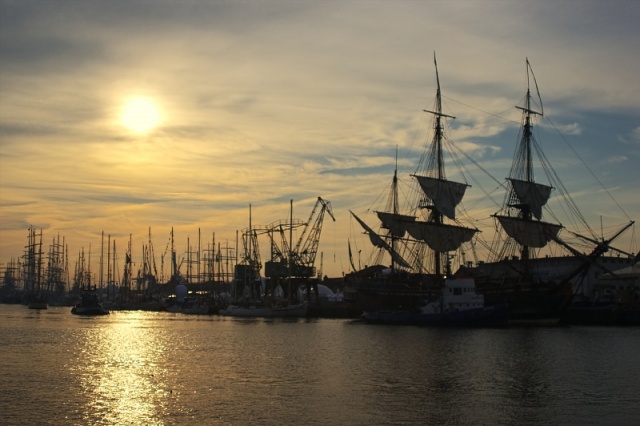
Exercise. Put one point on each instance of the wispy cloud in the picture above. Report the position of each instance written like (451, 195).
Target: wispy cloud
(616, 159)
(271, 101)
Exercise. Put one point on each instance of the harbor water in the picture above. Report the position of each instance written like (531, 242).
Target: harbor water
(159, 368)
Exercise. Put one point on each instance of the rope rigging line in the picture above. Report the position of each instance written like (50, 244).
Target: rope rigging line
(485, 112)
(588, 168)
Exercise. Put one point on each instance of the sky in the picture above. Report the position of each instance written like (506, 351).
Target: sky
(256, 103)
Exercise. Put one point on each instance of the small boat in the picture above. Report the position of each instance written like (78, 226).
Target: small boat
(256, 310)
(38, 305)
(89, 305)
(458, 305)
(37, 302)
(183, 303)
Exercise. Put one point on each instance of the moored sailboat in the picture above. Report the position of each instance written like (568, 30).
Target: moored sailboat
(521, 269)
(34, 296)
(420, 243)
(536, 287)
(89, 304)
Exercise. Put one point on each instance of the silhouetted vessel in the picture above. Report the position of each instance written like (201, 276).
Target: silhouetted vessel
(536, 287)
(418, 241)
(421, 243)
(615, 300)
(257, 310)
(459, 304)
(89, 305)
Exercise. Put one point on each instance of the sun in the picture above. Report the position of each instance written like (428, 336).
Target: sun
(140, 115)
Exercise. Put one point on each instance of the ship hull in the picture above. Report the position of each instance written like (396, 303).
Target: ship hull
(290, 311)
(367, 291)
(89, 310)
(497, 315)
(547, 293)
(595, 313)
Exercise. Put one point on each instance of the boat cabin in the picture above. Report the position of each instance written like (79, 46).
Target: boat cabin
(459, 294)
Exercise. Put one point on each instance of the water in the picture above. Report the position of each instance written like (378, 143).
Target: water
(159, 368)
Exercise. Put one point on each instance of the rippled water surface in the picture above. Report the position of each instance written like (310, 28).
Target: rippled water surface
(161, 368)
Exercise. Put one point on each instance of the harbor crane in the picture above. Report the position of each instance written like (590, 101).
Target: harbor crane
(288, 260)
(303, 256)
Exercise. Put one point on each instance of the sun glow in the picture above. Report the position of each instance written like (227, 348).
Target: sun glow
(140, 115)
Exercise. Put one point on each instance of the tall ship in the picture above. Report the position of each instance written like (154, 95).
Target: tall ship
(536, 285)
(420, 241)
(35, 296)
(426, 241)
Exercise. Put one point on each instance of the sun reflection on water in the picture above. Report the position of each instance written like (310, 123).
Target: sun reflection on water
(120, 378)
(150, 368)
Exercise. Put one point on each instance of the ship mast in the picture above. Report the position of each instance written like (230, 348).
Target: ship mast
(522, 213)
(525, 212)
(438, 195)
(436, 164)
(527, 133)
(395, 210)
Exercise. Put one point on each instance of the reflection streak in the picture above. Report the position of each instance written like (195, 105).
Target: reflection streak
(120, 379)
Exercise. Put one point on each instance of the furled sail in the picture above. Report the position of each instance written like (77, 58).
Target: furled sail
(395, 223)
(534, 195)
(439, 237)
(529, 233)
(445, 194)
(377, 241)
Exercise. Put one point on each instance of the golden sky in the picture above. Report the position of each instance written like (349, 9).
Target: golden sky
(120, 116)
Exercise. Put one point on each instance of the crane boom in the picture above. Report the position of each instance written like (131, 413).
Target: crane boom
(305, 251)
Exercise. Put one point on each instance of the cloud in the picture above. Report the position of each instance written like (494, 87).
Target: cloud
(616, 159)
(634, 136)
(572, 129)
(264, 102)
